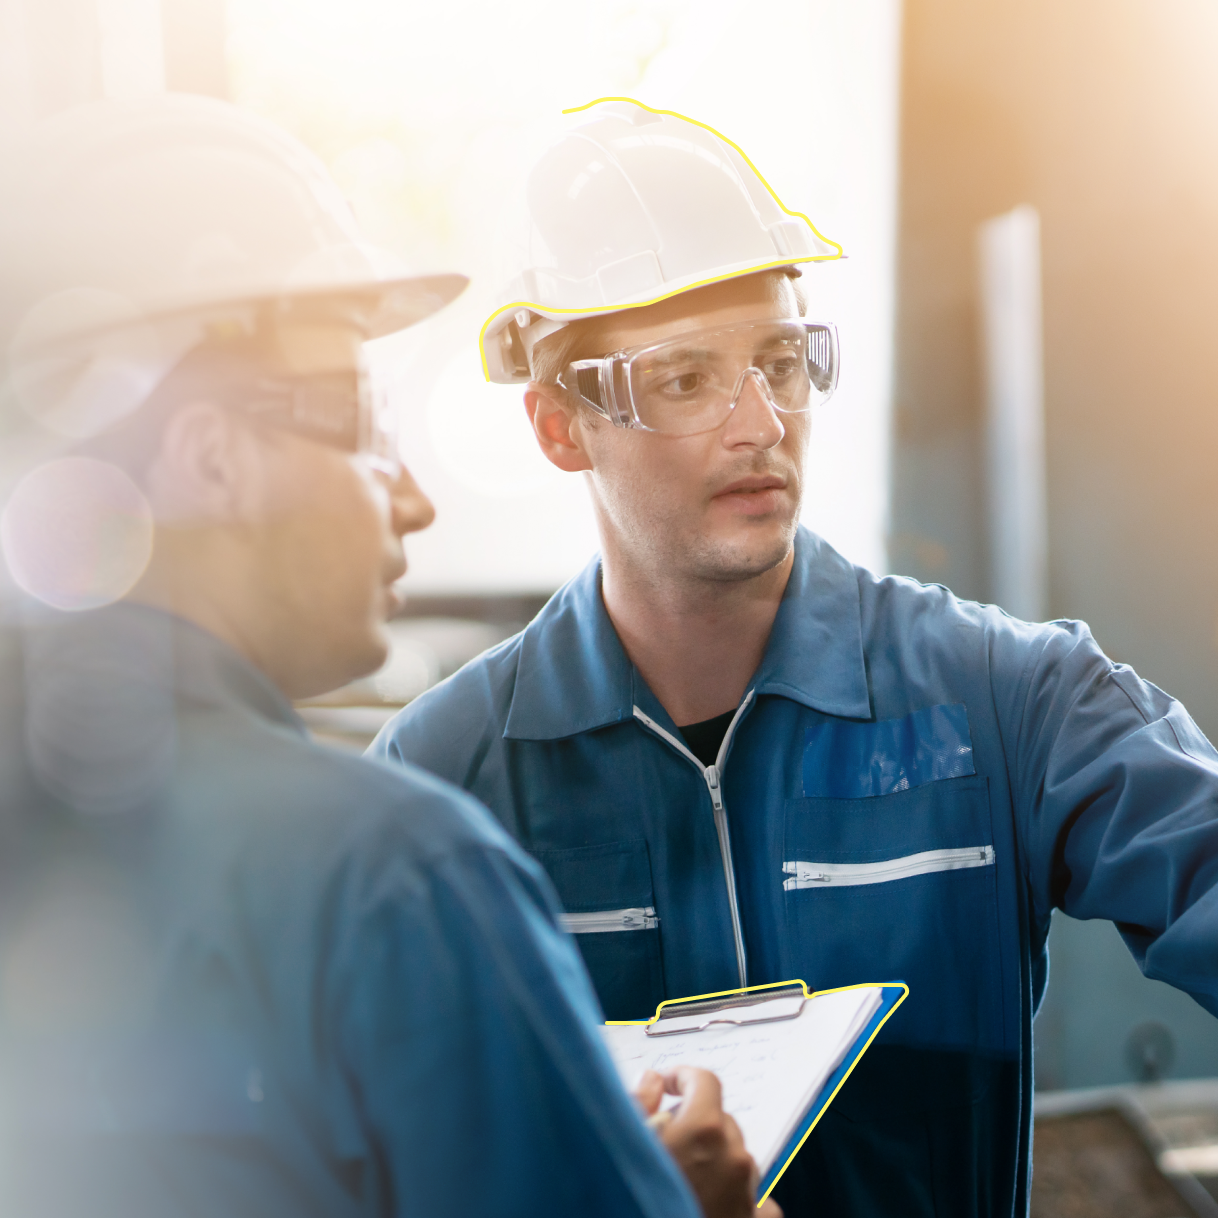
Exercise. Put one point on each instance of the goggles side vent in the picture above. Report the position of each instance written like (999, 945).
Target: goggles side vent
(588, 381)
(584, 378)
(822, 358)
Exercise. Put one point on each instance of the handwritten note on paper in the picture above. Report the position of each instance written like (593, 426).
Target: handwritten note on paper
(770, 1072)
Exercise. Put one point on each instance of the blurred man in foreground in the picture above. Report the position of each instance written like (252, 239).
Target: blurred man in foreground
(242, 974)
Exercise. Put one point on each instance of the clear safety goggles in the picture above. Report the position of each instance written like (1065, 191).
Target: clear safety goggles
(351, 409)
(346, 410)
(690, 384)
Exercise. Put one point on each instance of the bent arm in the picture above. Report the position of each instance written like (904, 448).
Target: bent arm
(1117, 793)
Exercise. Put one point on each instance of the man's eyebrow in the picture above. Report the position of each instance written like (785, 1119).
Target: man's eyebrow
(764, 344)
(662, 359)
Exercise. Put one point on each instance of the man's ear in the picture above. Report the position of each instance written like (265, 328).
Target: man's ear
(206, 469)
(557, 426)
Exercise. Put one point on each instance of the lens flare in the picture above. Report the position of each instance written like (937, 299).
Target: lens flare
(76, 533)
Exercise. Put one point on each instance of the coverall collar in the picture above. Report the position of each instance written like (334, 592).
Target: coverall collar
(212, 672)
(574, 675)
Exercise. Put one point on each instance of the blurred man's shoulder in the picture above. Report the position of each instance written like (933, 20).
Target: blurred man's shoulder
(281, 790)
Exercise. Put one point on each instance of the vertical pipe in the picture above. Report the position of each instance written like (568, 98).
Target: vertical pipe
(1009, 247)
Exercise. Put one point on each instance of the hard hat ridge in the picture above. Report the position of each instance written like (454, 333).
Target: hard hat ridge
(631, 206)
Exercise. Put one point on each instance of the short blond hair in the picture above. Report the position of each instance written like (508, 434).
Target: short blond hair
(550, 356)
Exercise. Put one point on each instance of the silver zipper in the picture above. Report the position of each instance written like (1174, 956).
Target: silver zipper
(849, 875)
(712, 775)
(605, 921)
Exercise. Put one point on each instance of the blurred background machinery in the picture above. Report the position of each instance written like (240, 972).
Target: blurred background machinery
(1136, 1151)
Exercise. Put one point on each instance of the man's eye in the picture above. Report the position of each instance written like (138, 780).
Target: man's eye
(780, 369)
(683, 386)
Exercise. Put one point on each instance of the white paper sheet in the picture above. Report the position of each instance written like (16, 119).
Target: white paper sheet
(770, 1072)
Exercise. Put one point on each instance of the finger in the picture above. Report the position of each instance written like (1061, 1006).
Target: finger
(701, 1094)
(649, 1091)
(770, 1209)
(734, 1140)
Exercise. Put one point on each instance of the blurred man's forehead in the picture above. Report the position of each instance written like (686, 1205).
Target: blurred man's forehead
(769, 294)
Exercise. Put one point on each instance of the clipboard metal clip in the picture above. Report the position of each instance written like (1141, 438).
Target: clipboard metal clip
(740, 1008)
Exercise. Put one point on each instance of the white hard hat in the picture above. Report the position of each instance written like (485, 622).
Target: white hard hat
(631, 206)
(127, 228)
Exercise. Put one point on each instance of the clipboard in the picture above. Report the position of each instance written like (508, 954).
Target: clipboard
(754, 1040)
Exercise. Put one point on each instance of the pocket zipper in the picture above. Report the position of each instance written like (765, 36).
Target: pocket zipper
(606, 920)
(848, 875)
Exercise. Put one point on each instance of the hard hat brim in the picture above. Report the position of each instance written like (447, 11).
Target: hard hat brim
(503, 315)
(394, 305)
(376, 308)
(379, 307)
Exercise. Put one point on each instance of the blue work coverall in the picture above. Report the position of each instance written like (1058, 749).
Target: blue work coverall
(250, 976)
(911, 784)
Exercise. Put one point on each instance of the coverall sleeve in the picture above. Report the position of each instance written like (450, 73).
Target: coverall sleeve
(449, 729)
(1116, 791)
(468, 1028)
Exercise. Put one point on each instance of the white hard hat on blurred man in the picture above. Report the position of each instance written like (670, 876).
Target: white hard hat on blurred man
(135, 229)
(288, 974)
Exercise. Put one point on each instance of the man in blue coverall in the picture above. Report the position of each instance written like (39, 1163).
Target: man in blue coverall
(742, 759)
(240, 973)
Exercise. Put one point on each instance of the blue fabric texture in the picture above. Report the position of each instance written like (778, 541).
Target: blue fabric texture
(252, 976)
(845, 760)
(888, 719)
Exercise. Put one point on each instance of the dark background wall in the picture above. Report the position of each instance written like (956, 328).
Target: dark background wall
(1103, 114)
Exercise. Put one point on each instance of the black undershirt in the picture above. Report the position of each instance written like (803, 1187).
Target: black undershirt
(705, 738)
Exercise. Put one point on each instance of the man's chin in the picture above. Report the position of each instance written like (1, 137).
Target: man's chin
(736, 558)
(376, 651)
(358, 658)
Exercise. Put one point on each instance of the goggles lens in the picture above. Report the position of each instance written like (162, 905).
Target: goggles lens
(346, 410)
(691, 383)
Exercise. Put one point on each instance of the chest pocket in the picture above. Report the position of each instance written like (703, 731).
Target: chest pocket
(889, 872)
(606, 892)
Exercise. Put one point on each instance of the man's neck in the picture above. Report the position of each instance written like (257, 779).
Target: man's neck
(697, 643)
(187, 588)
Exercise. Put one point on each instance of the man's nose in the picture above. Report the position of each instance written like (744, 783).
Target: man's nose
(412, 510)
(753, 422)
